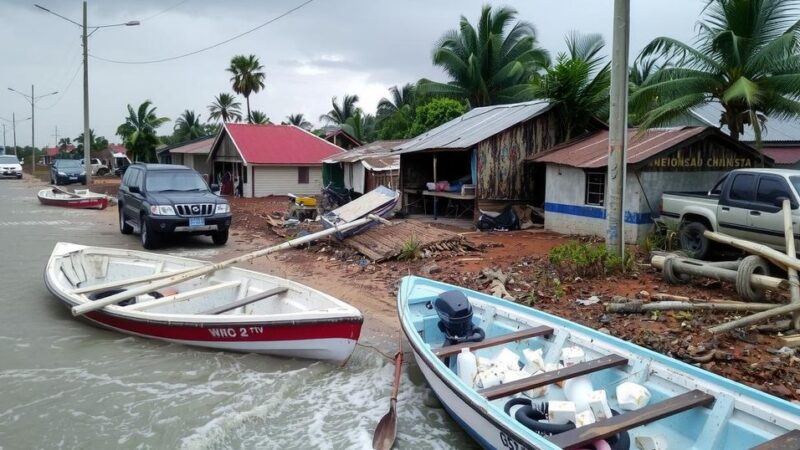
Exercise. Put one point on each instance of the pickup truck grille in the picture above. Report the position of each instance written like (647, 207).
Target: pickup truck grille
(197, 210)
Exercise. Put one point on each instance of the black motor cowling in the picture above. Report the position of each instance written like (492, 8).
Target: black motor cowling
(455, 318)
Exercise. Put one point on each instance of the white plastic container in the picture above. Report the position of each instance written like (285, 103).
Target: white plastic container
(584, 418)
(572, 355)
(632, 396)
(489, 378)
(507, 360)
(561, 412)
(579, 391)
(650, 443)
(534, 360)
(467, 365)
(598, 403)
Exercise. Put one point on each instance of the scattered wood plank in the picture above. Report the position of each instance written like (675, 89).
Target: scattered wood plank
(491, 342)
(787, 441)
(755, 318)
(641, 307)
(381, 243)
(246, 301)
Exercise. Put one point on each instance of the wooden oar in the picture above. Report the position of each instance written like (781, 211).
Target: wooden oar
(63, 191)
(386, 431)
(84, 308)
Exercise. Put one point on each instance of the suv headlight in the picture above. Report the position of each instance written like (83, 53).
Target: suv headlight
(83, 173)
(63, 174)
(162, 210)
(223, 208)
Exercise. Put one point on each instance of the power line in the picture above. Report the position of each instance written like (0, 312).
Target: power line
(172, 58)
(163, 11)
(64, 91)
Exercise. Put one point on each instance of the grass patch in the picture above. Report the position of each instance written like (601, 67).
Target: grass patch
(588, 260)
(411, 250)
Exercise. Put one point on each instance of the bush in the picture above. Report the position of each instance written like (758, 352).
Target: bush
(588, 260)
(411, 250)
(662, 239)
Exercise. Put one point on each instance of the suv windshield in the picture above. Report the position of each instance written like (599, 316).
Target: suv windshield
(8, 160)
(67, 163)
(159, 181)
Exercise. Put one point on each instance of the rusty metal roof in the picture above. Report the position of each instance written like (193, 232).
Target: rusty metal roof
(775, 129)
(592, 151)
(374, 156)
(475, 126)
(197, 146)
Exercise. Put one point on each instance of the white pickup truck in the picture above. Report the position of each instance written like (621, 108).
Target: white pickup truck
(745, 203)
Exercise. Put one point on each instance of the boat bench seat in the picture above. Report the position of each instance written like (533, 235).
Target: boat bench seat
(553, 376)
(245, 301)
(787, 441)
(451, 350)
(581, 437)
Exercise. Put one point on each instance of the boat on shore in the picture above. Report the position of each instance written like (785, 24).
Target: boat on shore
(380, 202)
(531, 380)
(232, 309)
(80, 198)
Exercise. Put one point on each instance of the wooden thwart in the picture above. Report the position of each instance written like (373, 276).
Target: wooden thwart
(245, 301)
(579, 437)
(788, 441)
(499, 340)
(553, 376)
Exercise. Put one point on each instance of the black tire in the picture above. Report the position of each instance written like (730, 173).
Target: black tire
(751, 265)
(693, 240)
(124, 228)
(150, 239)
(51, 181)
(102, 172)
(220, 237)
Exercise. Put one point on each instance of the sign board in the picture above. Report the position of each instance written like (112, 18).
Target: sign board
(702, 157)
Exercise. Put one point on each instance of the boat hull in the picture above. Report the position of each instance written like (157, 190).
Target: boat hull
(78, 203)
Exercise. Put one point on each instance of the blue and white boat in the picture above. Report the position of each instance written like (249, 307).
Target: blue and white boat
(674, 405)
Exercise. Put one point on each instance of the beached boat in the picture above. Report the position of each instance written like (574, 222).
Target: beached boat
(507, 395)
(80, 198)
(380, 202)
(231, 309)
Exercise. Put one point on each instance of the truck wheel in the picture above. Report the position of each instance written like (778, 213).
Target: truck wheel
(102, 172)
(693, 241)
(751, 265)
(150, 238)
(124, 228)
(220, 237)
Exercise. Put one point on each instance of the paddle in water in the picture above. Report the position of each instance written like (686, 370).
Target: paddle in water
(386, 430)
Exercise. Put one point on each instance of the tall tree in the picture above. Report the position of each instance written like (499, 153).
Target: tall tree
(63, 143)
(746, 57)
(361, 126)
(402, 99)
(434, 113)
(490, 64)
(298, 120)
(225, 108)
(638, 75)
(97, 143)
(259, 117)
(188, 126)
(138, 133)
(340, 112)
(248, 77)
(577, 84)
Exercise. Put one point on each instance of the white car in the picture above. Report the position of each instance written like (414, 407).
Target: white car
(98, 168)
(10, 167)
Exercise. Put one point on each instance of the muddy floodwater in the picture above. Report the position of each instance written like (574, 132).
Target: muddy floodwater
(66, 384)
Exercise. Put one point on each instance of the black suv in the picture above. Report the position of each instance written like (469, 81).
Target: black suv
(66, 171)
(157, 199)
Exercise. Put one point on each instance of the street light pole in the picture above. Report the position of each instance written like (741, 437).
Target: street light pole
(14, 130)
(33, 136)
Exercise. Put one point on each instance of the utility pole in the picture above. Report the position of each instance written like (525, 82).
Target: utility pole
(618, 130)
(14, 130)
(55, 135)
(32, 100)
(5, 149)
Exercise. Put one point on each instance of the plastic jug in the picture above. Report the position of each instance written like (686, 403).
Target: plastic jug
(467, 365)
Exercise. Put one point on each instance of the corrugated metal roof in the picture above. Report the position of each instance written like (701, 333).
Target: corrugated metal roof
(279, 144)
(198, 146)
(475, 126)
(592, 151)
(371, 150)
(775, 129)
(783, 155)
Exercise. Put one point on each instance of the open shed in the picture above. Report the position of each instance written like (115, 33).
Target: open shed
(658, 160)
(364, 168)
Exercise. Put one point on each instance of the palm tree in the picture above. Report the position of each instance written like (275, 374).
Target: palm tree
(188, 126)
(361, 126)
(259, 117)
(96, 143)
(488, 65)
(63, 143)
(247, 77)
(298, 120)
(340, 113)
(638, 75)
(225, 108)
(746, 57)
(402, 101)
(577, 85)
(138, 133)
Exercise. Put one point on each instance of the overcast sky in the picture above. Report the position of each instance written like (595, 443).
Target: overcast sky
(325, 49)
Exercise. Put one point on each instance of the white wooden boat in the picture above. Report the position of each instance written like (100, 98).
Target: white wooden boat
(380, 202)
(232, 309)
(688, 408)
(81, 198)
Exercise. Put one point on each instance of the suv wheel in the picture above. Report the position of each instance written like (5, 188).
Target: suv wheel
(149, 237)
(220, 237)
(124, 228)
(693, 240)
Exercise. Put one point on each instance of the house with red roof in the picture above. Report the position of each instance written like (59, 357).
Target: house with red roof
(268, 159)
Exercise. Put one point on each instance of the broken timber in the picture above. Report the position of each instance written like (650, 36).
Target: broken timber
(382, 243)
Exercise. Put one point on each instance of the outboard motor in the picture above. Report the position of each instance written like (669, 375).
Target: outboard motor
(455, 318)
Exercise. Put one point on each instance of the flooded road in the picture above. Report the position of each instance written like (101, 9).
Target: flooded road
(65, 384)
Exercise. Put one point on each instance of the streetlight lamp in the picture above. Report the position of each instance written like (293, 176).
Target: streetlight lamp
(13, 123)
(32, 100)
(85, 42)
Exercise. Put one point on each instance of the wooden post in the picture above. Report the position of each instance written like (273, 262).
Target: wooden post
(755, 318)
(704, 270)
(435, 180)
(780, 259)
(641, 307)
(794, 284)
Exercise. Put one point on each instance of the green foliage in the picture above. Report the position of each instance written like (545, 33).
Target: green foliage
(248, 78)
(188, 126)
(341, 112)
(361, 126)
(395, 115)
(411, 250)
(97, 143)
(662, 239)
(746, 57)
(138, 133)
(434, 113)
(490, 64)
(259, 117)
(588, 260)
(225, 108)
(298, 120)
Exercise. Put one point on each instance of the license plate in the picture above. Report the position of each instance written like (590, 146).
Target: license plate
(197, 222)
(73, 178)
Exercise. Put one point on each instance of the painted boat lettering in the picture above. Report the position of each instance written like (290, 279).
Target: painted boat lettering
(510, 443)
(232, 332)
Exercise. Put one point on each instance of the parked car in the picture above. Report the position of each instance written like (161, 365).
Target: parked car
(119, 163)
(66, 171)
(745, 203)
(10, 166)
(157, 200)
(98, 168)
